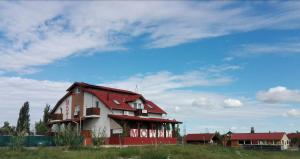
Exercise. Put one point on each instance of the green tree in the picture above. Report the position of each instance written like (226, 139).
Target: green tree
(41, 126)
(23, 120)
(6, 129)
(46, 115)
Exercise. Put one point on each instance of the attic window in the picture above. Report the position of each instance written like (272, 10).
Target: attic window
(116, 102)
(149, 106)
(77, 90)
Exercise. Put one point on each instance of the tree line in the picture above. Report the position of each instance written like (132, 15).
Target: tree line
(23, 123)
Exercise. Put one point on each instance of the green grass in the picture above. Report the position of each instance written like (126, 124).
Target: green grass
(148, 152)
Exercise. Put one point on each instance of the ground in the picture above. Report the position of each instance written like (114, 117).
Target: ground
(149, 152)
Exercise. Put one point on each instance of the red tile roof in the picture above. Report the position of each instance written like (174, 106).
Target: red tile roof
(199, 137)
(109, 99)
(109, 96)
(257, 136)
(294, 136)
(135, 118)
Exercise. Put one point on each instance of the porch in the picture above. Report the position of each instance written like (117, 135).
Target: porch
(140, 130)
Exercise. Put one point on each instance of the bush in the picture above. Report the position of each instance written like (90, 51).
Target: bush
(99, 137)
(68, 137)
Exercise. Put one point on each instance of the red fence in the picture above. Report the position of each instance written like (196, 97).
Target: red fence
(140, 141)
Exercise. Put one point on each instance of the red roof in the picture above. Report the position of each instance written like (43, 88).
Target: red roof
(294, 136)
(110, 99)
(199, 137)
(257, 136)
(135, 118)
(111, 96)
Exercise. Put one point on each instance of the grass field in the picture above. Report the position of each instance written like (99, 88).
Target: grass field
(162, 152)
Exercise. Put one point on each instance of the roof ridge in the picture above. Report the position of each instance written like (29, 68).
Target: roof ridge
(102, 87)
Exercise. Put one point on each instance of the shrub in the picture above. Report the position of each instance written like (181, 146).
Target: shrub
(99, 137)
(68, 137)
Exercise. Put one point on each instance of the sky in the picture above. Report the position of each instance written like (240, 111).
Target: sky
(214, 65)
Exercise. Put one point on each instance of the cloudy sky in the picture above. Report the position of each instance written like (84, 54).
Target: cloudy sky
(213, 65)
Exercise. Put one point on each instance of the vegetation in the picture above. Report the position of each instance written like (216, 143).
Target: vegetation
(23, 120)
(150, 152)
(17, 143)
(99, 137)
(41, 126)
(68, 137)
(6, 129)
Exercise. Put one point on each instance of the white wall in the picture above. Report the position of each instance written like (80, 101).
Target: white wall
(138, 101)
(285, 141)
(63, 105)
(97, 124)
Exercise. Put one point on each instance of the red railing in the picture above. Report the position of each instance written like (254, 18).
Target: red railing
(92, 111)
(56, 117)
(115, 140)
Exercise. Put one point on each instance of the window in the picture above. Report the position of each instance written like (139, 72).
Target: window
(97, 104)
(247, 142)
(139, 105)
(241, 142)
(149, 106)
(135, 105)
(126, 112)
(77, 90)
(116, 102)
(77, 110)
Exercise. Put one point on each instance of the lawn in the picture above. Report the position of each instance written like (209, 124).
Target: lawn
(149, 152)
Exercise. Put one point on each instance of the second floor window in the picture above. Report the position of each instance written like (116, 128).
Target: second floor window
(97, 104)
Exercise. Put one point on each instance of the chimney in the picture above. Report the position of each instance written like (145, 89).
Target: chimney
(252, 130)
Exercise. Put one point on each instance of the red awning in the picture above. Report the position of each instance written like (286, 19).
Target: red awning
(135, 118)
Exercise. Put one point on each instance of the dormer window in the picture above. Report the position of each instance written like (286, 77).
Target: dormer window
(140, 106)
(77, 90)
(97, 104)
(116, 102)
(135, 105)
(149, 106)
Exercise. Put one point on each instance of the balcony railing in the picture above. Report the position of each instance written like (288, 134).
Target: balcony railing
(56, 117)
(141, 112)
(92, 111)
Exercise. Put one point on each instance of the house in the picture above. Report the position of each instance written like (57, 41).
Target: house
(207, 138)
(294, 139)
(271, 140)
(121, 116)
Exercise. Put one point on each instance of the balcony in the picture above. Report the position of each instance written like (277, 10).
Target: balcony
(93, 112)
(56, 117)
(141, 112)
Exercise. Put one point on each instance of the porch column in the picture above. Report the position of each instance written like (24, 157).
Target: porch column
(139, 131)
(173, 130)
(156, 128)
(165, 130)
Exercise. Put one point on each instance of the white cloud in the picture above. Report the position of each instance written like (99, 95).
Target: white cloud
(178, 94)
(283, 49)
(233, 102)
(15, 91)
(279, 94)
(34, 35)
(199, 109)
(292, 113)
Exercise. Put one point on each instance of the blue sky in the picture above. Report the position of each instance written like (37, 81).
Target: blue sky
(213, 65)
